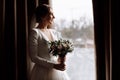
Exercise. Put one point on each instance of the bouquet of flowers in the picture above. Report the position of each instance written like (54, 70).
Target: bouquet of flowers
(60, 47)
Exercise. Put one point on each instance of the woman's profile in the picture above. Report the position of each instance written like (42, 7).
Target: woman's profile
(46, 66)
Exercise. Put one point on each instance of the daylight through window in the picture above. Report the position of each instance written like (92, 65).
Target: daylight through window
(74, 19)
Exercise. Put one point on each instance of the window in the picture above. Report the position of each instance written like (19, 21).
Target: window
(74, 19)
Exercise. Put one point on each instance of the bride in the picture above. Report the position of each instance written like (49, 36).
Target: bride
(46, 66)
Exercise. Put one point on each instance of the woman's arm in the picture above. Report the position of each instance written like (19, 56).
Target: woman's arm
(33, 44)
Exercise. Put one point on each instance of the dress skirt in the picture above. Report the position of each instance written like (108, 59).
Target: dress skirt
(42, 73)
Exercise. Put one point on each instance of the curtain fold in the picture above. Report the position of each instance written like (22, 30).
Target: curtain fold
(103, 35)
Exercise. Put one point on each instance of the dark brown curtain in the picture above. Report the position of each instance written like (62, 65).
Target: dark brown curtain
(15, 17)
(106, 20)
(13, 39)
(115, 31)
(102, 28)
(8, 39)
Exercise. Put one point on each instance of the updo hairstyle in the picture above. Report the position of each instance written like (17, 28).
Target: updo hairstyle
(41, 11)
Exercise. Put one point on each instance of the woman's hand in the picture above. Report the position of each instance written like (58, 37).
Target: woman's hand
(59, 66)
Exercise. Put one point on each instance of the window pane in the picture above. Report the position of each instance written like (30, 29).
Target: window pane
(74, 19)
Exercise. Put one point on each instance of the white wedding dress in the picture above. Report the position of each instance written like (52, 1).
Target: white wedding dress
(39, 54)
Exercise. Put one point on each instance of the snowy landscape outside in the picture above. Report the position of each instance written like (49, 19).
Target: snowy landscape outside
(74, 19)
(81, 64)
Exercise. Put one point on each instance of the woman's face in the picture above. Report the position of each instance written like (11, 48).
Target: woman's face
(49, 18)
